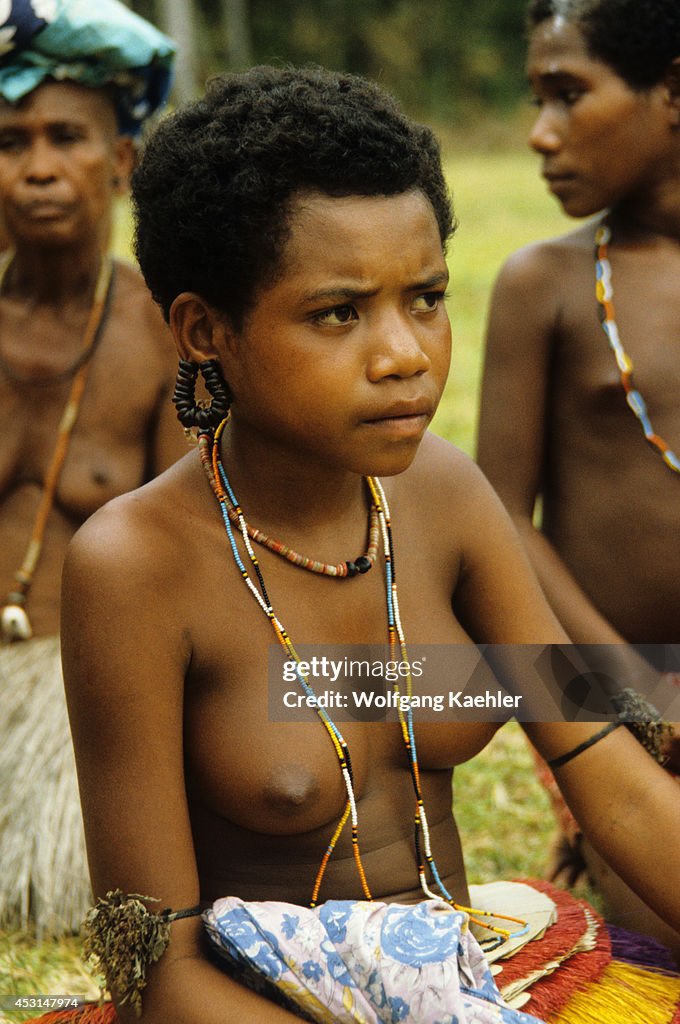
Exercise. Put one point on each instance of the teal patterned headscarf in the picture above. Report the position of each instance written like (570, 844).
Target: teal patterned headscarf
(91, 42)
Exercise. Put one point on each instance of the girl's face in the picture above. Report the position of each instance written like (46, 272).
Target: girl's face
(601, 141)
(343, 359)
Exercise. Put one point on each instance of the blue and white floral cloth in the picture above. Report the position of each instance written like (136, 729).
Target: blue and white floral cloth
(93, 42)
(353, 961)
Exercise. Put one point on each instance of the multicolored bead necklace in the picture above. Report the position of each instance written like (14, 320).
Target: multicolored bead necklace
(605, 298)
(209, 449)
(360, 565)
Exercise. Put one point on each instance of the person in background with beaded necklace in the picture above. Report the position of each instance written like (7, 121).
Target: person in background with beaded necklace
(580, 390)
(292, 225)
(86, 373)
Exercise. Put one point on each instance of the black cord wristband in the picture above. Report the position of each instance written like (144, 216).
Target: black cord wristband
(557, 762)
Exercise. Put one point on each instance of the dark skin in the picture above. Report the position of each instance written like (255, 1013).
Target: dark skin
(189, 790)
(62, 163)
(554, 421)
(622, 565)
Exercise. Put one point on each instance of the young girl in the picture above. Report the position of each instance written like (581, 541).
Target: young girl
(292, 225)
(583, 417)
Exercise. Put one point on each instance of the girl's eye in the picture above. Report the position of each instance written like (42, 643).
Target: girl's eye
(564, 97)
(337, 316)
(569, 96)
(428, 301)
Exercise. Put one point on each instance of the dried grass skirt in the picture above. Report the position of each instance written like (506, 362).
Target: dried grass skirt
(43, 868)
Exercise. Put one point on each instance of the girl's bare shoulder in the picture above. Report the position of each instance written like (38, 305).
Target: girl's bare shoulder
(443, 481)
(547, 257)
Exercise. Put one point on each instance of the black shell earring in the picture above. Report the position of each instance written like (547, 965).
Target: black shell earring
(189, 412)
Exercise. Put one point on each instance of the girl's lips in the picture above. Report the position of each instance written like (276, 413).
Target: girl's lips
(558, 181)
(403, 426)
(401, 410)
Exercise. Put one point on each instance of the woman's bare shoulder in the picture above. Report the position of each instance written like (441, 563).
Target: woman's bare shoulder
(143, 526)
(133, 304)
(129, 278)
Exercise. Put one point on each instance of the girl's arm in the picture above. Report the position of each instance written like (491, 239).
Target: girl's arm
(627, 805)
(127, 650)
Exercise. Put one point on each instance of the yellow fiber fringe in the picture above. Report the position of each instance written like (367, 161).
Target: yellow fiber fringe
(623, 993)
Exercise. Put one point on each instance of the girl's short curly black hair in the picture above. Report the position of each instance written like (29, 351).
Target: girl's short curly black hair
(638, 39)
(213, 190)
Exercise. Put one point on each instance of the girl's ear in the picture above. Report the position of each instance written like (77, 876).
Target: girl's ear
(200, 331)
(672, 80)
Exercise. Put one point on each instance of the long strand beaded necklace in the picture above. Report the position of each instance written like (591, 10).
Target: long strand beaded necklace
(232, 515)
(14, 621)
(605, 297)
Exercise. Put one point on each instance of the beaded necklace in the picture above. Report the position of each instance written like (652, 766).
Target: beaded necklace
(14, 622)
(360, 565)
(605, 298)
(209, 449)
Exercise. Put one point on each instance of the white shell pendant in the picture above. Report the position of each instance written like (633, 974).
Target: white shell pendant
(14, 624)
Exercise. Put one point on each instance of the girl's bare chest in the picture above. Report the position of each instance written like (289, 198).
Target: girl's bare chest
(634, 332)
(259, 749)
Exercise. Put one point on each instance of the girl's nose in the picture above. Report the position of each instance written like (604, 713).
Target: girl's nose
(398, 352)
(544, 136)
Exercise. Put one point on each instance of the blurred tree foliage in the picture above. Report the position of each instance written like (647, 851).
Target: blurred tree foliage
(440, 57)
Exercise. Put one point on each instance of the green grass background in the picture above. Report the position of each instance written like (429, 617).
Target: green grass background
(504, 816)
(501, 204)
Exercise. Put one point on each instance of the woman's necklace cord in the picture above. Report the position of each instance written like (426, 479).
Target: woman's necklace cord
(90, 338)
(14, 621)
(232, 515)
(605, 298)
